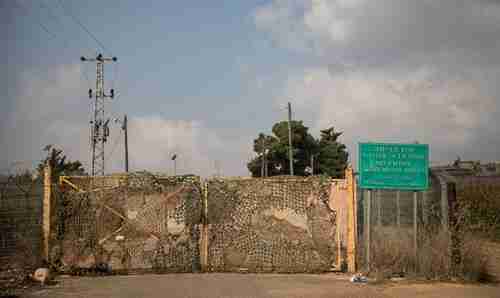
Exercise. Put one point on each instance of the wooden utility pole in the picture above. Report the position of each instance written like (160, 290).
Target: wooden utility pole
(174, 158)
(312, 164)
(290, 149)
(265, 163)
(125, 129)
(263, 158)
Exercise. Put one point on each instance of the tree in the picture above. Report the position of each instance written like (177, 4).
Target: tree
(59, 164)
(272, 152)
(333, 156)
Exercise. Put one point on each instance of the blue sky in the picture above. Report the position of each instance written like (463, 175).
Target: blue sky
(205, 77)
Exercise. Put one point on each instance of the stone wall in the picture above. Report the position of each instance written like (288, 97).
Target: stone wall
(278, 224)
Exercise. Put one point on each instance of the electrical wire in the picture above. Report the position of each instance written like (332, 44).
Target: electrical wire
(44, 28)
(75, 19)
(55, 16)
(51, 14)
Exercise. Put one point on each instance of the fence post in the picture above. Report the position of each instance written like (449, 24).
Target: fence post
(351, 220)
(378, 195)
(368, 227)
(444, 203)
(47, 193)
(398, 211)
(204, 231)
(425, 212)
(415, 229)
(454, 228)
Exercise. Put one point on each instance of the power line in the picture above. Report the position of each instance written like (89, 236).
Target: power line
(44, 28)
(60, 22)
(75, 19)
(51, 14)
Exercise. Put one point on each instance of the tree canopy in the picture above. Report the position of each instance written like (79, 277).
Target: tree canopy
(60, 164)
(329, 155)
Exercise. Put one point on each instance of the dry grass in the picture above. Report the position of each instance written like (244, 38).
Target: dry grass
(392, 254)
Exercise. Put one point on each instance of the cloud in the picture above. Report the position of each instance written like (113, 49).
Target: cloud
(395, 70)
(386, 27)
(47, 109)
(153, 140)
(385, 105)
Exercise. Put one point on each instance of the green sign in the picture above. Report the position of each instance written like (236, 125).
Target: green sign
(393, 166)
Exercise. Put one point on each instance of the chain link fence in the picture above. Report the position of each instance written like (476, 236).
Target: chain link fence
(20, 220)
(439, 237)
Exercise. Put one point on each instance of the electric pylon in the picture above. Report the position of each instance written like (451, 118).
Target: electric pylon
(99, 124)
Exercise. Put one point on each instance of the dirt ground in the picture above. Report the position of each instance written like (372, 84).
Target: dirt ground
(249, 285)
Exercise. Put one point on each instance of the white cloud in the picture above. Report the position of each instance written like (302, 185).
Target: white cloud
(390, 27)
(48, 110)
(384, 105)
(395, 70)
(154, 140)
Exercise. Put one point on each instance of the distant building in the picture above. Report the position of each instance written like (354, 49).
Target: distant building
(490, 169)
(469, 168)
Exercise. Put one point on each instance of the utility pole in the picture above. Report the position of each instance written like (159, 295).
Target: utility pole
(312, 164)
(99, 123)
(290, 149)
(265, 163)
(263, 168)
(174, 158)
(125, 130)
(262, 161)
(217, 168)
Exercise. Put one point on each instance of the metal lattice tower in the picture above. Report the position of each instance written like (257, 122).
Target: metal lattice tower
(99, 123)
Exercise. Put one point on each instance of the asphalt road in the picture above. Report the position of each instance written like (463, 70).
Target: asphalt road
(249, 286)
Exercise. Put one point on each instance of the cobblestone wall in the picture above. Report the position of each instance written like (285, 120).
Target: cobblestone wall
(279, 224)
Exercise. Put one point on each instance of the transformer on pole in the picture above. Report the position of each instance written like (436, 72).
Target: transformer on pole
(99, 123)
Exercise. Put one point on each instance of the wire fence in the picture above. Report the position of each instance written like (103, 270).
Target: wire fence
(438, 233)
(20, 219)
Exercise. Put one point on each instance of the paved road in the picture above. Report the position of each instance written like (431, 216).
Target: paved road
(249, 286)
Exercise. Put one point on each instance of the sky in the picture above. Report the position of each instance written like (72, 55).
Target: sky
(203, 78)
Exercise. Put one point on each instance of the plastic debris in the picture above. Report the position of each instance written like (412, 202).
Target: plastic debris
(358, 278)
